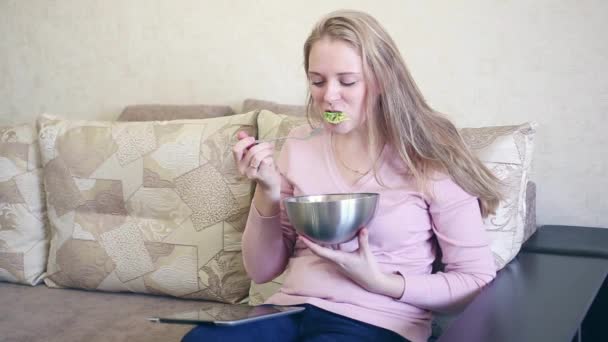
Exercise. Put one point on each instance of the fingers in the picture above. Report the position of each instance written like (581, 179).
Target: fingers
(253, 158)
(244, 141)
(240, 148)
(247, 154)
(242, 135)
(250, 172)
(260, 171)
(266, 167)
(326, 253)
(363, 238)
(251, 162)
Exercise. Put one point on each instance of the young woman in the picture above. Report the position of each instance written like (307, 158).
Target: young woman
(433, 195)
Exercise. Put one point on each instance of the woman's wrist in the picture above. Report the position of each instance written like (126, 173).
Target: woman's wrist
(266, 201)
(390, 285)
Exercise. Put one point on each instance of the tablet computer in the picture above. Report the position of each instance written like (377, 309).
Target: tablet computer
(227, 314)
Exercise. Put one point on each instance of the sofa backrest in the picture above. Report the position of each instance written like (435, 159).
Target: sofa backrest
(134, 206)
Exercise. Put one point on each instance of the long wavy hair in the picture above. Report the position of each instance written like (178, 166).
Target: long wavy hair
(427, 142)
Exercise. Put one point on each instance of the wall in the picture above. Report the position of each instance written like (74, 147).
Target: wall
(486, 62)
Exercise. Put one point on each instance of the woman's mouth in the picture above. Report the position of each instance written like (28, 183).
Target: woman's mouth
(335, 117)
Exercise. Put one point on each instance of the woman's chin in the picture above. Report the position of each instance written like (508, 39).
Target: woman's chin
(329, 126)
(341, 128)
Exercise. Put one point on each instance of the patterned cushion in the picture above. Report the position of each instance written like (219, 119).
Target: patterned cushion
(23, 234)
(153, 207)
(151, 112)
(506, 150)
(256, 104)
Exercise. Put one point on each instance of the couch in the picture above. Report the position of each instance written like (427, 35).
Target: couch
(138, 217)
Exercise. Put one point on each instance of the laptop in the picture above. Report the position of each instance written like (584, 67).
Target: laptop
(227, 314)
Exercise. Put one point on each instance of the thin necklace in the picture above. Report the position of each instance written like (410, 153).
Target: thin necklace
(361, 173)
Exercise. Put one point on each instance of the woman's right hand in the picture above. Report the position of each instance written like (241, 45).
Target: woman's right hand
(256, 162)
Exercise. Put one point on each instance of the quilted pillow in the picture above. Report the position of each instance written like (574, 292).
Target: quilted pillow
(23, 233)
(505, 150)
(152, 207)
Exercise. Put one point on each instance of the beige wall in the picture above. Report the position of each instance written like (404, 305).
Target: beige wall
(482, 62)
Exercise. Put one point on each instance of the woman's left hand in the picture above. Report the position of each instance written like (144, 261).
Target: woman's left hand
(360, 266)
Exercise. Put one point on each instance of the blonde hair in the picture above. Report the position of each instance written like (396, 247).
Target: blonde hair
(427, 142)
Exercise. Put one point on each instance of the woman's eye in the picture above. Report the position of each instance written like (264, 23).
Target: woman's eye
(344, 83)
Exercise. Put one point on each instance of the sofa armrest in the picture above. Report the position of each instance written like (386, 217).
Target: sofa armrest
(568, 240)
(532, 300)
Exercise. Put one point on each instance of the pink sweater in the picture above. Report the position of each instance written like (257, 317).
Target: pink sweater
(400, 235)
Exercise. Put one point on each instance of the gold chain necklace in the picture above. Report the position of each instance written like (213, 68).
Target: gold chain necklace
(360, 173)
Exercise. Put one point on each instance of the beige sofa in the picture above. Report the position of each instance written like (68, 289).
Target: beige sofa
(137, 219)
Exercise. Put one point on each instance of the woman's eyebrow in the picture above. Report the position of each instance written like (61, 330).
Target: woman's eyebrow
(339, 74)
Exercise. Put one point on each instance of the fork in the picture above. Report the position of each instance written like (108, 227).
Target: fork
(316, 131)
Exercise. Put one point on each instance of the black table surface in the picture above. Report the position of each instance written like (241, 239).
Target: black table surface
(537, 297)
(569, 240)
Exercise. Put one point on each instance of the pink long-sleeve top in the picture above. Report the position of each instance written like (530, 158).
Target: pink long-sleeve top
(401, 236)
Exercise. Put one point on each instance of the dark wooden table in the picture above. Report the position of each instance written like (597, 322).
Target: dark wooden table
(568, 240)
(537, 297)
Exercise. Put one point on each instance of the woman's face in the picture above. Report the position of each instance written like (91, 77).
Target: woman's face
(335, 75)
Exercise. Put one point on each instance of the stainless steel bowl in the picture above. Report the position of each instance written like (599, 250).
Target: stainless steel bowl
(332, 218)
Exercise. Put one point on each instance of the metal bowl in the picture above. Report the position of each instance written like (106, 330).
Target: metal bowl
(332, 218)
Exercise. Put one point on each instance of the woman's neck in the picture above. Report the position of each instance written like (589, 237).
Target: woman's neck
(356, 142)
(354, 152)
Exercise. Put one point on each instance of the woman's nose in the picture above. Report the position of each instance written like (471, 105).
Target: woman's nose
(332, 92)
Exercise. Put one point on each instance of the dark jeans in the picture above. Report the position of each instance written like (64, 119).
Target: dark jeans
(311, 325)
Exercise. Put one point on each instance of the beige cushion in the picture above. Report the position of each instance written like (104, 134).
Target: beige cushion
(23, 235)
(151, 112)
(256, 104)
(151, 207)
(506, 150)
